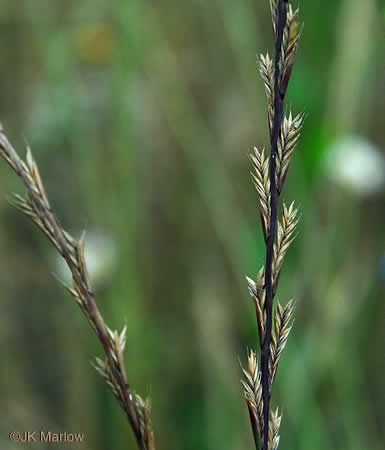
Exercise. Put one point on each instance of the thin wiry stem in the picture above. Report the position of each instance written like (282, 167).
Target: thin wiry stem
(277, 123)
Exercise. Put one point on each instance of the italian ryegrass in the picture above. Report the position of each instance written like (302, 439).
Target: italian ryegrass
(274, 324)
(269, 174)
(35, 205)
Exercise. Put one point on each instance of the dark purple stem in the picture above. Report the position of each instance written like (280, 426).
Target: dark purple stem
(277, 122)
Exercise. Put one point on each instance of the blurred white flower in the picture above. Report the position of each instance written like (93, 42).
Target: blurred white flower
(101, 256)
(356, 164)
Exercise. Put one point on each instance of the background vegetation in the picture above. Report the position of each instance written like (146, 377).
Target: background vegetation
(141, 115)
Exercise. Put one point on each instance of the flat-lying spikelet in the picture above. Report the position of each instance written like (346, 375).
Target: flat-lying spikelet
(262, 185)
(253, 391)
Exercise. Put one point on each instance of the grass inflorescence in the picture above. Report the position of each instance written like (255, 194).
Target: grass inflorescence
(35, 204)
(269, 174)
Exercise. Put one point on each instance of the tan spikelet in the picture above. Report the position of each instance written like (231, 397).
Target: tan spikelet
(274, 424)
(144, 413)
(285, 231)
(289, 47)
(258, 294)
(261, 180)
(253, 390)
(266, 69)
(282, 327)
(274, 14)
(289, 135)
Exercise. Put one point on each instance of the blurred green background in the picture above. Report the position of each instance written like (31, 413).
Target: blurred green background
(141, 115)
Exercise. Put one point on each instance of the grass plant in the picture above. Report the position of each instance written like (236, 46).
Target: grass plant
(274, 324)
(35, 204)
(269, 174)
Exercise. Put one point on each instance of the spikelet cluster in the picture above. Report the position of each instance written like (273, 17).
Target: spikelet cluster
(289, 132)
(35, 205)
